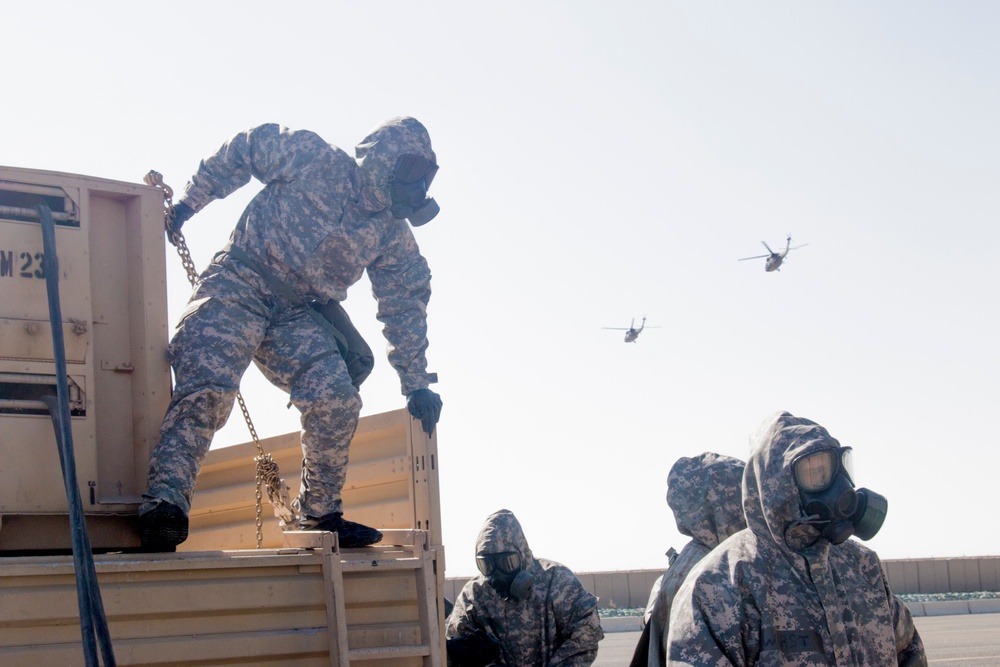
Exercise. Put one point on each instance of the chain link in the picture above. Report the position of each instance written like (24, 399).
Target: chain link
(267, 470)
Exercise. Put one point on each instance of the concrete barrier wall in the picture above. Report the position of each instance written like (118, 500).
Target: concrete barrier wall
(630, 588)
(944, 575)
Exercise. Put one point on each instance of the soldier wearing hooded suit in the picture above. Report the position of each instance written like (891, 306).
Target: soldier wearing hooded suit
(704, 493)
(322, 219)
(523, 611)
(792, 589)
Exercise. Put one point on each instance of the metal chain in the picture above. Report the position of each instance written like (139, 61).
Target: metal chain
(267, 470)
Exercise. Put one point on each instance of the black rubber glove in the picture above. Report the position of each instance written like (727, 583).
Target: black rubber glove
(478, 649)
(181, 214)
(425, 405)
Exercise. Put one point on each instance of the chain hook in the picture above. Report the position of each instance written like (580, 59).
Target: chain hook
(267, 469)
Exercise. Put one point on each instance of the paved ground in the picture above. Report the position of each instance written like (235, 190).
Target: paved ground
(966, 640)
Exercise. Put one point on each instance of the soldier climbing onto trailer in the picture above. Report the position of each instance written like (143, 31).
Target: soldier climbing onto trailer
(273, 294)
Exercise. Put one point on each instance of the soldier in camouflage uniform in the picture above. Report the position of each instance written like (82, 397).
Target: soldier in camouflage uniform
(522, 611)
(705, 496)
(786, 590)
(322, 218)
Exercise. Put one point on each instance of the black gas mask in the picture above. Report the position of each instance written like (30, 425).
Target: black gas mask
(829, 499)
(408, 186)
(506, 574)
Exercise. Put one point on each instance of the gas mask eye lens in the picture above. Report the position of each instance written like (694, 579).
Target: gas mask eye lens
(507, 562)
(814, 472)
(411, 168)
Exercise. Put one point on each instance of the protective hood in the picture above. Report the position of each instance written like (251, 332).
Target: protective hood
(705, 495)
(377, 154)
(502, 532)
(770, 496)
(554, 621)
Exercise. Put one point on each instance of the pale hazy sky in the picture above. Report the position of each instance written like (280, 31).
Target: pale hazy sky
(602, 161)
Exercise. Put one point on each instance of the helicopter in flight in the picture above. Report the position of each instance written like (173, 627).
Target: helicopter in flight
(631, 333)
(774, 259)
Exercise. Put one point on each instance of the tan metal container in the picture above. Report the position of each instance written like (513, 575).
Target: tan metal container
(374, 606)
(302, 600)
(112, 286)
(299, 600)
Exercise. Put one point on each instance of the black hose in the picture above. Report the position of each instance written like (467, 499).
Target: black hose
(92, 618)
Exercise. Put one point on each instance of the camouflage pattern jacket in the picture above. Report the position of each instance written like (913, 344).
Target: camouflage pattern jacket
(704, 493)
(323, 218)
(777, 594)
(557, 624)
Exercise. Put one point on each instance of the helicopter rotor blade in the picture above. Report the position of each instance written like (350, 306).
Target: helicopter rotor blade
(768, 247)
(754, 257)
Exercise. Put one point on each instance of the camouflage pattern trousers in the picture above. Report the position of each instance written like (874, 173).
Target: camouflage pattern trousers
(231, 319)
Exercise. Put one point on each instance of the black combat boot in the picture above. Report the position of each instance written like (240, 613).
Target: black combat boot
(350, 535)
(163, 528)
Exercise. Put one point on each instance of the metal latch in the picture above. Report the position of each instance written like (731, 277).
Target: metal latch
(124, 367)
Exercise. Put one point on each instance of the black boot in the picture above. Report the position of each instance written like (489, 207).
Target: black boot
(350, 535)
(163, 528)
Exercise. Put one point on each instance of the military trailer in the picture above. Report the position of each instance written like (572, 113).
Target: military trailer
(232, 594)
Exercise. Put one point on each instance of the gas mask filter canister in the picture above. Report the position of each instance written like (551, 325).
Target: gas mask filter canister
(870, 515)
(427, 211)
(521, 586)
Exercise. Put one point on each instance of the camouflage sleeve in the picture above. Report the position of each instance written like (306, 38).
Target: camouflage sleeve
(659, 621)
(909, 646)
(401, 283)
(469, 640)
(577, 619)
(709, 623)
(462, 620)
(268, 153)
